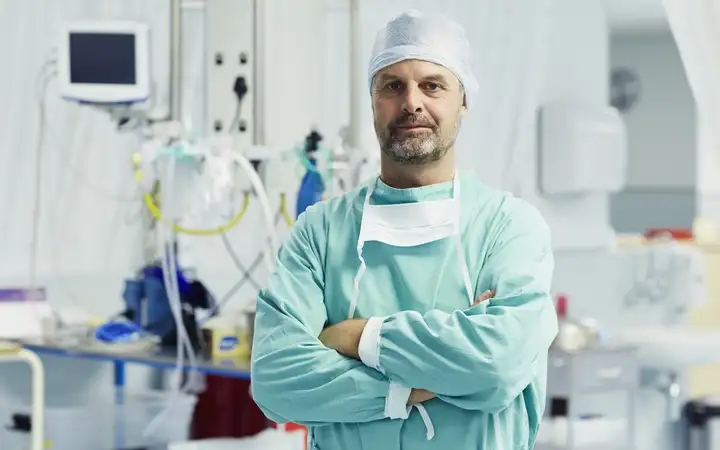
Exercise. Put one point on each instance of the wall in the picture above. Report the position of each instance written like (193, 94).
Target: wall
(88, 229)
(662, 134)
(575, 74)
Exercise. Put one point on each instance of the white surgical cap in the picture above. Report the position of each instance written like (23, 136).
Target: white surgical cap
(427, 37)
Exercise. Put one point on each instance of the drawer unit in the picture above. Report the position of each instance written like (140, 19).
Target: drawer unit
(574, 378)
(604, 369)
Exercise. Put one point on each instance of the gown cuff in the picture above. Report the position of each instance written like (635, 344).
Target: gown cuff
(369, 347)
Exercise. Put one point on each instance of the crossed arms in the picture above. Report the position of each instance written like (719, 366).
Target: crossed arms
(474, 360)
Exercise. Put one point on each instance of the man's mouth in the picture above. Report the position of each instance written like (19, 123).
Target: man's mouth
(409, 128)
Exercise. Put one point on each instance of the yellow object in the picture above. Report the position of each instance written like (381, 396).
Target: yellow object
(705, 230)
(157, 213)
(230, 344)
(284, 212)
(229, 337)
(8, 348)
(96, 321)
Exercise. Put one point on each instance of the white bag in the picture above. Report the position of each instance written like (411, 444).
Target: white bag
(269, 439)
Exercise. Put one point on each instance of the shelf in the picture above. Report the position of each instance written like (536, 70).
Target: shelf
(598, 446)
(162, 358)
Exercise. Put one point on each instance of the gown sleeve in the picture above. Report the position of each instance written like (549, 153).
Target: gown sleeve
(295, 378)
(479, 359)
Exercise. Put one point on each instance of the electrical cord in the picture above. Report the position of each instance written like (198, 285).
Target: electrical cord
(157, 214)
(45, 78)
(37, 195)
(282, 215)
(284, 211)
(169, 269)
(236, 260)
(240, 88)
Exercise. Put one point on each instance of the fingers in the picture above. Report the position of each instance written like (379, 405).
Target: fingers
(487, 295)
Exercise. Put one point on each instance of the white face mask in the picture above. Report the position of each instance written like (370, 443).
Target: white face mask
(410, 225)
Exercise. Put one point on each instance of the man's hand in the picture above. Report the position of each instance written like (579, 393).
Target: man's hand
(419, 396)
(487, 295)
(344, 337)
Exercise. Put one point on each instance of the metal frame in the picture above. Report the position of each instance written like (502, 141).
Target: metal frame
(11, 352)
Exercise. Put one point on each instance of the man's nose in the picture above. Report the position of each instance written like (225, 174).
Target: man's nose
(413, 100)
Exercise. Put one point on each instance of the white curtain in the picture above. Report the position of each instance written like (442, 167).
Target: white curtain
(696, 28)
(88, 208)
(88, 232)
(510, 40)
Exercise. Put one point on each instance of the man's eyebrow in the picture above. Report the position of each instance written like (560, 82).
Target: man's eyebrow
(386, 77)
(436, 78)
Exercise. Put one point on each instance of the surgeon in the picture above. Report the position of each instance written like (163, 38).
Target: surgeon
(414, 312)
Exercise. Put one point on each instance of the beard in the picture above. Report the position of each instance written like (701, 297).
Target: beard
(418, 148)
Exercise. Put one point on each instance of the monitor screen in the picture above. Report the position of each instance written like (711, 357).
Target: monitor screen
(102, 58)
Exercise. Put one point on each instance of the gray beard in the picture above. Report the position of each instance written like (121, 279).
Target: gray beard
(398, 151)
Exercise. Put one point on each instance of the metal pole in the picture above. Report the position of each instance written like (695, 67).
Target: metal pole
(175, 60)
(13, 352)
(356, 69)
(258, 82)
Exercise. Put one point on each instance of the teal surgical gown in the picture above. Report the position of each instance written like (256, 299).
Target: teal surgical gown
(485, 363)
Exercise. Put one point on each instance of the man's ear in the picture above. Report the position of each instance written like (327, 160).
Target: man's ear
(463, 107)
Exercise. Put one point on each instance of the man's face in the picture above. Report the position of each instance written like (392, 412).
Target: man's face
(418, 107)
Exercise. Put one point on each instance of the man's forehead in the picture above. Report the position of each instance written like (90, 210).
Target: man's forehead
(415, 70)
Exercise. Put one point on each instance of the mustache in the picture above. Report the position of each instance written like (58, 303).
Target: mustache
(412, 120)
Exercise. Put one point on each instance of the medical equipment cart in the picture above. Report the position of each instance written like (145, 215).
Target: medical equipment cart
(575, 376)
(12, 352)
(160, 358)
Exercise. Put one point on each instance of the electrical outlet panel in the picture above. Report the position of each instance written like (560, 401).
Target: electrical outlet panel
(230, 62)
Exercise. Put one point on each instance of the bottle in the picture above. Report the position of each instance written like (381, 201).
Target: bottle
(571, 335)
(311, 190)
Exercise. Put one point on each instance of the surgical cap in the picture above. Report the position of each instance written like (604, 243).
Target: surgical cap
(427, 37)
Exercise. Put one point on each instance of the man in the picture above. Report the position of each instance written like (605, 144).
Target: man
(413, 313)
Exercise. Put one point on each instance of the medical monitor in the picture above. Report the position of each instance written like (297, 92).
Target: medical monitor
(105, 62)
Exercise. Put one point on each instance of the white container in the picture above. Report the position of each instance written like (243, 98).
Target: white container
(102, 423)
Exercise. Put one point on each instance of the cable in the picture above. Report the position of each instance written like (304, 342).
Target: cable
(158, 215)
(236, 260)
(37, 197)
(284, 210)
(81, 178)
(44, 128)
(170, 273)
(282, 214)
(273, 244)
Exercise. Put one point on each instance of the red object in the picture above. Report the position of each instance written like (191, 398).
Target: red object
(295, 427)
(226, 409)
(561, 305)
(680, 234)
